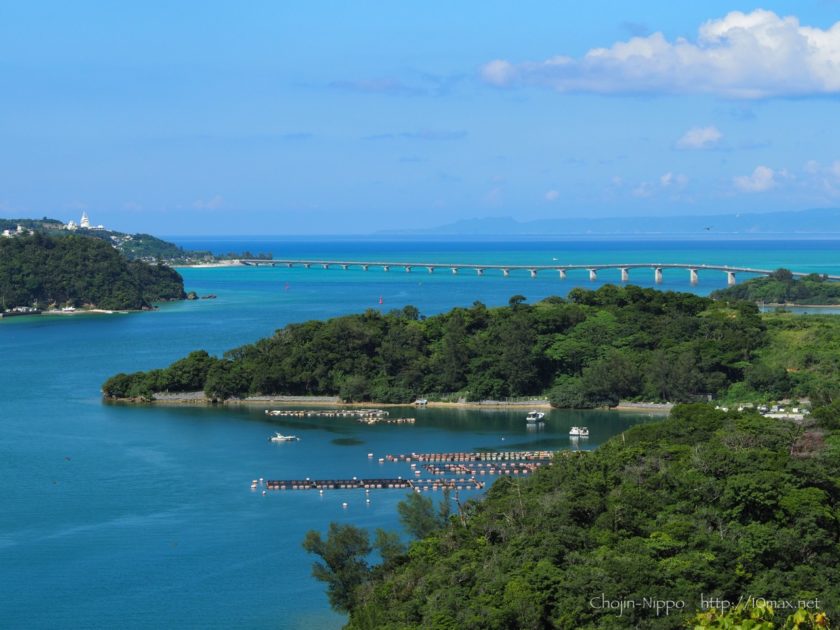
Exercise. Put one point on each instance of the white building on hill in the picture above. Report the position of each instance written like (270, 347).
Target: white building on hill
(84, 224)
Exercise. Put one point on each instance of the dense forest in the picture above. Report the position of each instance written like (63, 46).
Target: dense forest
(712, 503)
(79, 271)
(781, 287)
(138, 246)
(587, 350)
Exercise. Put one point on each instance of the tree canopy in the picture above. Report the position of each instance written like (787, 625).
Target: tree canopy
(711, 503)
(591, 349)
(79, 271)
(781, 287)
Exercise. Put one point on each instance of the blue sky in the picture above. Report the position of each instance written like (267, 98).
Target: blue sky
(336, 117)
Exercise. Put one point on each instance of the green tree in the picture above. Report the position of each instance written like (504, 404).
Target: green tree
(343, 566)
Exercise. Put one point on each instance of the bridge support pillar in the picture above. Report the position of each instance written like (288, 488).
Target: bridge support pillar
(407, 269)
(533, 273)
(730, 278)
(325, 266)
(657, 275)
(386, 268)
(505, 272)
(344, 267)
(562, 273)
(307, 265)
(455, 270)
(693, 277)
(289, 265)
(593, 275)
(479, 271)
(431, 269)
(364, 267)
(625, 274)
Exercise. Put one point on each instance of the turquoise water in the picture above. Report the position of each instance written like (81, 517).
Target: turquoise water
(123, 516)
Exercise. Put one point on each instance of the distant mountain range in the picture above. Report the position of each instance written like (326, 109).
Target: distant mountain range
(802, 223)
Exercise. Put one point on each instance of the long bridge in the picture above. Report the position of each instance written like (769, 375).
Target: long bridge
(533, 270)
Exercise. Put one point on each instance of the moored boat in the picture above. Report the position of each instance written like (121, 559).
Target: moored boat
(579, 432)
(279, 437)
(535, 416)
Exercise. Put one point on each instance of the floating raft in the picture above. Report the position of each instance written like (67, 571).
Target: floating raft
(382, 420)
(481, 468)
(370, 484)
(495, 456)
(327, 413)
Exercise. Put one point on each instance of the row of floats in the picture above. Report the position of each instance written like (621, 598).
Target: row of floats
(367, 484)
(480, 463)
(327, 413)
(364, 416)
(467, 456)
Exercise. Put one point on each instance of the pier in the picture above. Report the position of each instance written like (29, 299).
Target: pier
(532, 270)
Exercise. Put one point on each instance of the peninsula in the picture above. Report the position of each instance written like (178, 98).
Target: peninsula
(590, 349)
(39, 272)
(143, 247)
(782, 288)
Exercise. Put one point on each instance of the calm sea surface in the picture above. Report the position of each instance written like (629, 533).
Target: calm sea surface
(120, 516)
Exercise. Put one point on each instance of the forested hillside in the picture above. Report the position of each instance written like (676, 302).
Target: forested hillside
(723, 505)
(781, 287)
(79, 271)
(587, 350)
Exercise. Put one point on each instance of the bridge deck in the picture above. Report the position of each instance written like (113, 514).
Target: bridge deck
(512, 267)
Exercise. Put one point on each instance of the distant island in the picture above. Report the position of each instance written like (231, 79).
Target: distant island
(815, 223)
(590, 349)
(782, 288)
(143, 247)
(40, 272)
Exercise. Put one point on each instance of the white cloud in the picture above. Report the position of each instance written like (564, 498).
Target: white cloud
(700, 138)
(552, 195)
(670, 179)
(214, 203)
(762, 178)
(742, 55)
(642, 190)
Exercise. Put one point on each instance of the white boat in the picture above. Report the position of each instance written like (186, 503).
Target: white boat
(579, 432)
(279, 437)
(535, 416)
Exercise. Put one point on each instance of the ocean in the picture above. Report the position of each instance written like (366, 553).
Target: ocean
(139, 516)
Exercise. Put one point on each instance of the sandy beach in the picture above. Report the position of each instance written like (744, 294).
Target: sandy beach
(223, 263)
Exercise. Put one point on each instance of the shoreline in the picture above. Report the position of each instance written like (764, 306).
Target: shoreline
(198, 399)
(93, 311)
(213, 265)
(795, 305)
